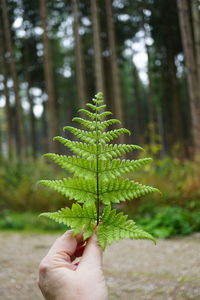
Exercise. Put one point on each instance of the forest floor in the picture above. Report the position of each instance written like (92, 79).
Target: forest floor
(134, 269)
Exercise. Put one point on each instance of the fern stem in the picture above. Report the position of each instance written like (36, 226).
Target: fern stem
(97, 172)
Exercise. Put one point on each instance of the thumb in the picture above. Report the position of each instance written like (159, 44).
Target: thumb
(92, 255)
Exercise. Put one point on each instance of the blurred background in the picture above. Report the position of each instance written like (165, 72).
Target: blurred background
(144, 55)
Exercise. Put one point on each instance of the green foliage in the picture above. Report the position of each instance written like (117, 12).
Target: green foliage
(167, 221)
(18, 188)
(97, 179)
(116, 226)
(79, 218)
(27, 221)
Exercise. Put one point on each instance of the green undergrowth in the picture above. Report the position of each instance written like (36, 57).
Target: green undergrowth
(27, 221)
(167, 221)
(162, 222)
(176, 212)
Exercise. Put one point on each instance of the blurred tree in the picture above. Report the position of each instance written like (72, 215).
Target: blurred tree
(192, 74)
(80, 65)
(21, 146)
(3, 67)
(114, 72)
(196, 29)
(99, 74)
(48, 70)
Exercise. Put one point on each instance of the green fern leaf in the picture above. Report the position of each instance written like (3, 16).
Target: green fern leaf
(117, 190)
(82, 190)
(104, 124)
(78, 218)
(86, 136)
(110, 135)
(96, 108)
(98, 178)
(115, 226)
(80, 167)
(117, 167)
(110, 151)
(89, 114)
(88, 124)
(82, 149)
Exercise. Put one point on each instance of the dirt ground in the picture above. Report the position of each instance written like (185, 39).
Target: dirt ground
(134, 269)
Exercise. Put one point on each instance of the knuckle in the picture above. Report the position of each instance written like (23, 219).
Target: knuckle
(43, 268)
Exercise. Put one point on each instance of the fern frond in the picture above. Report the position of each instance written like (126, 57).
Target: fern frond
(98, 180)
(82, 149)
(80, 167)
(97, 102)
(92, 125)
(96, 116)
(92, 137)
(117, 167)
(86, 136)
(103, 115)
(90, 150)
(88, 113)
(78, 218)
(109, 122)
(110, 135)
(96, 108)
(115, 226)
(117, 190)
(88, 124)
(82, 190)
(110, 151)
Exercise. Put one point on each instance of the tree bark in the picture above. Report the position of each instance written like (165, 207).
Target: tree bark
(138, 110)
(80, 66)
(196, 29)
(192, 77)
(49, 81)
(10, 142)
(98, 65)
(19, 111)
(114, 65)
(30, 100)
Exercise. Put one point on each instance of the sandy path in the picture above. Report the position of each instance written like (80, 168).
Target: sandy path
(134, 269)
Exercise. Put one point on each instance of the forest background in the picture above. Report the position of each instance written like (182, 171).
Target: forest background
(144, 55)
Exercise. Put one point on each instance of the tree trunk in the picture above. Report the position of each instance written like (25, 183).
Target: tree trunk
(10, 142)
(138, 116)
(150, 102)
(192, 77)
(19, 111)
(114, 65)
(176, 106)
(97, 48)
(80, 66)
(48, 70)
(196, 29)
(30, 99)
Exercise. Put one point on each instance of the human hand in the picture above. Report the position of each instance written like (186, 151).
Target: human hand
(61, 278)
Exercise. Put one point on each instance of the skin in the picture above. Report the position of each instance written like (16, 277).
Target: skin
(62, 278)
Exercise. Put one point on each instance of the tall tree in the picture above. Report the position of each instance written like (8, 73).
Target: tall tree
(80, 66)
(20, 120)
(49, 80)
(114, 63)
(192, 77)
(27, 76)
(196, 30)
(99, 74)
(138, 116)
(10, 142)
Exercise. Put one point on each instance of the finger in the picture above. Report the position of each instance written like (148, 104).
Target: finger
(92, 255)
(67, 243)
